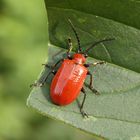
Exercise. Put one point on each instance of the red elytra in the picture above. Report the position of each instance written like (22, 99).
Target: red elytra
(70, 76)
(68, 81)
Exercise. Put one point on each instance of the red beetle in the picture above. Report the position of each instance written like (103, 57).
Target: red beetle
(69, 78)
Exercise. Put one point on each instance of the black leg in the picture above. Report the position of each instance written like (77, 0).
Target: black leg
(45, 79)
(53, 71)
(48, 66)
(99, 63)
(81, 107)
(91, 78)
(40, 84)
(94, 64)
(54, 66)
(91, 83)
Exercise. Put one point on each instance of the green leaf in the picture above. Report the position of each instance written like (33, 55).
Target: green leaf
(115, 113)
(124, 51)
(123, 11)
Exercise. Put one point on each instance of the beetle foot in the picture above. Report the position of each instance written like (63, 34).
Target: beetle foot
(94, 90)
(47, 66)
(41, 84)
(33, 85)
(37, 84)
(102, 62)
(84, 114)
(99, 63)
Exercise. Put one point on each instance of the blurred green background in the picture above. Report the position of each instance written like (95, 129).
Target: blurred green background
(23, 47)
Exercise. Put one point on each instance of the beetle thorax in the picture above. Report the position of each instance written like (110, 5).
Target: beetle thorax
(79, 58)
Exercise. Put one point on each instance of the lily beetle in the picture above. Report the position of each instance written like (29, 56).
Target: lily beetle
(69, 79)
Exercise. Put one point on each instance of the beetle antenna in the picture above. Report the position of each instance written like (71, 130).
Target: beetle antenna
(78, 40)
(98, 42)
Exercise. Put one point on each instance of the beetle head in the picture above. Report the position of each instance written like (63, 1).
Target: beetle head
(79, 58)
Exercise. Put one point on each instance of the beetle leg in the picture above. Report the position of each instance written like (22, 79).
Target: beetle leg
(81, 107)
(53, 66)
(40, 84)
(94, 64)
(53, 71)
(69, 49)
(45, 79)
(90, 84)
(91, 78)
(47, 66)
(99, 63)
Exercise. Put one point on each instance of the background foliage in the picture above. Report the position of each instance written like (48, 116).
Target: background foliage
(23, 47)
